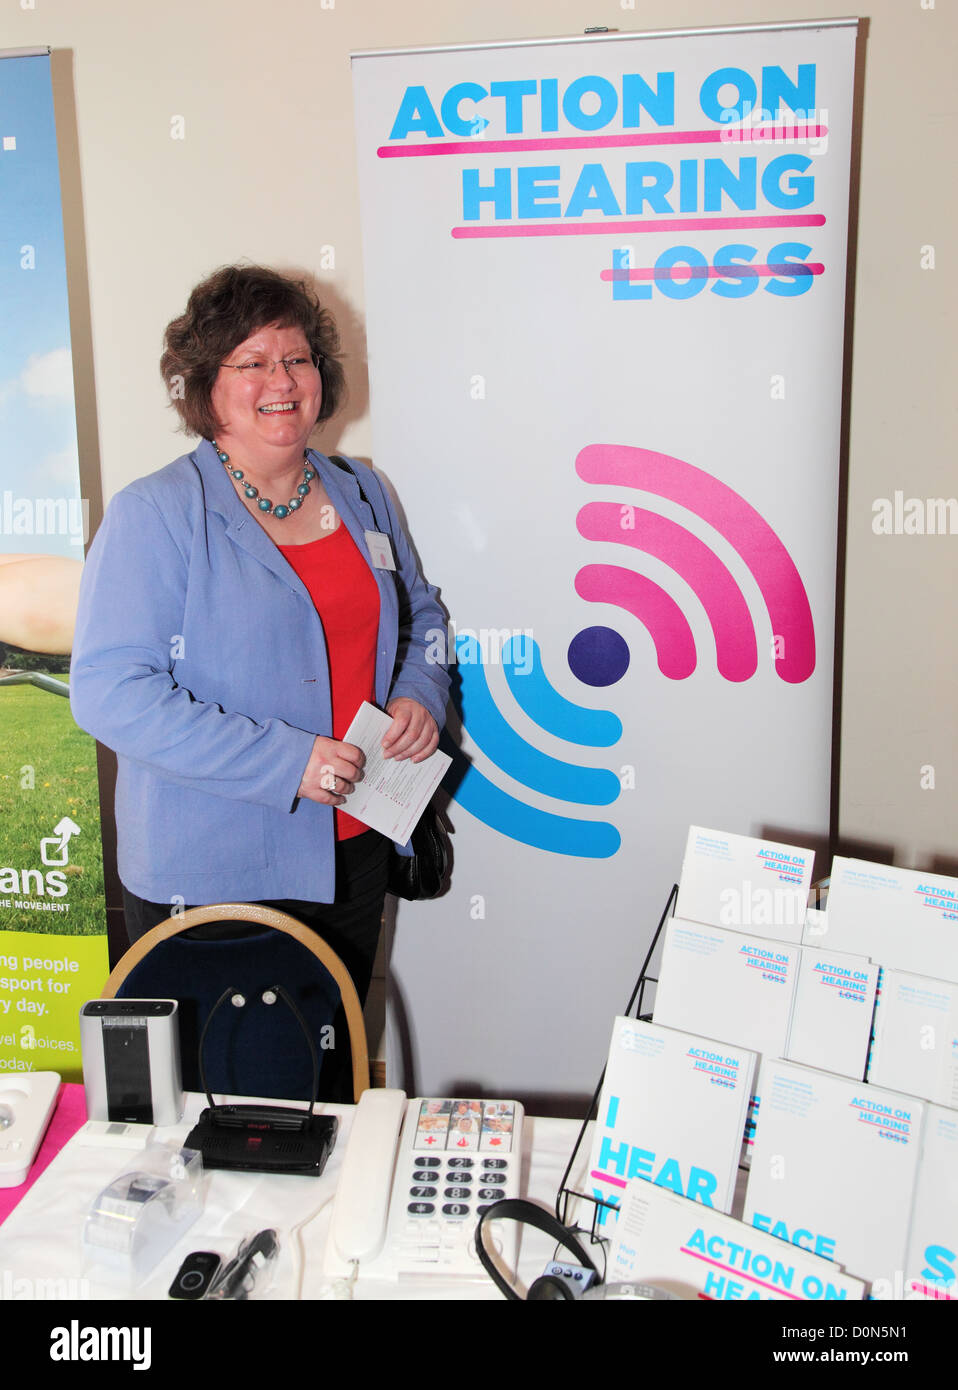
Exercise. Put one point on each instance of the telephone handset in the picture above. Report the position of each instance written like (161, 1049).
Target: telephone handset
(415, 1178)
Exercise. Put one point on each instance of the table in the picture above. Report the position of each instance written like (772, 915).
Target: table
(40, 1245)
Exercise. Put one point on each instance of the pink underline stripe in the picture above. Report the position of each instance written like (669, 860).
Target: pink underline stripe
(741, 1274)
(726, 135)
(930, 1288)
(607, 1177)
(715, 272)
(665, 224)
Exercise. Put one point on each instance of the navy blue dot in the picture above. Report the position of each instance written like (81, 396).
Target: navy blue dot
(598, 656)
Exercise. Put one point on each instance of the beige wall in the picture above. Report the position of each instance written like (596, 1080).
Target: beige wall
(266, 170)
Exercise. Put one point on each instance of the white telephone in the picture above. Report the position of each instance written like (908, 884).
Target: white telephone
(416, 1176)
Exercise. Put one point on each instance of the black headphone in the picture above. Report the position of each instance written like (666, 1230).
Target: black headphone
(548, 1287)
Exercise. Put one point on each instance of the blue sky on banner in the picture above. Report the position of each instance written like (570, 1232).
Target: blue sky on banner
(38, 448)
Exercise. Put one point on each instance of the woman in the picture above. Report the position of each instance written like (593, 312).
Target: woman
(232, 621)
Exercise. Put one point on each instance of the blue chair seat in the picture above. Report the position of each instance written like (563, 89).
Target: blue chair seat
(257, 1050)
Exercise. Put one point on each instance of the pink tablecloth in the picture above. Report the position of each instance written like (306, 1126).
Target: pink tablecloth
(69, 1115)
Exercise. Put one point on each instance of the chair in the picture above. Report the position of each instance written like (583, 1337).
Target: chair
(258, 1050)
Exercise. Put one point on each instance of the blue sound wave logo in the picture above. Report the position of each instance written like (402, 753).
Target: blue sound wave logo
(505, 749)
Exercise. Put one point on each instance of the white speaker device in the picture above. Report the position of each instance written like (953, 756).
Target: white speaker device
(131, 1061)
(27, 1100)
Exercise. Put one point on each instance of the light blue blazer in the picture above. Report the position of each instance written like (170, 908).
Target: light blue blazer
(199, 658)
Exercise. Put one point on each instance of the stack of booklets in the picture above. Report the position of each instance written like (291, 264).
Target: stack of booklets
(727, 985)
(931, 1270)
(695, 1253)
(762, 1011)
(834, 1169)
(797, 1002)
(802, 1002)
(672, 1112)
(832, 1011)
(915, 1047)
(903, 919)
(738, 973)
(747, 884)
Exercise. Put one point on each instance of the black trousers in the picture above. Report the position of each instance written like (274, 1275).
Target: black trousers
(351, 924)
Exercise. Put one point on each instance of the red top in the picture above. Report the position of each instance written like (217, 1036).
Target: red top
(346, 596)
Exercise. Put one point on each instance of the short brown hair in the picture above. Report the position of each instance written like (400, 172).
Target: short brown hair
(222, 312)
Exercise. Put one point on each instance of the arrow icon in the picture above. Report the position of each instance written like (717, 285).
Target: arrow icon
(66, 829)
(53, 848)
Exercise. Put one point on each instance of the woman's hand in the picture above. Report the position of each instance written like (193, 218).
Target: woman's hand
(413, 732)
(332, 771)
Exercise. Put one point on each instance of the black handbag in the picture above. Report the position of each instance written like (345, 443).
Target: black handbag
(421, 874)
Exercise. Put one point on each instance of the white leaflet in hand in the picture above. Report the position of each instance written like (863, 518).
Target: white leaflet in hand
(931, 1271)
(749, 885)
(672, 1112)
(916, 1037)
(393, 793)
(833, 1167)
(832, 1012)
(669, 1241)
(904, 919)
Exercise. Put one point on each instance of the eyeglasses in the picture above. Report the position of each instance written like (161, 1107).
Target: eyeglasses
(260, 369)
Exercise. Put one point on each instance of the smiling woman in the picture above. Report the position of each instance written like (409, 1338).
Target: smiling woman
(232, 620)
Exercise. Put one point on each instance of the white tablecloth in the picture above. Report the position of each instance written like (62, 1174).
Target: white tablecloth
(41, 1254)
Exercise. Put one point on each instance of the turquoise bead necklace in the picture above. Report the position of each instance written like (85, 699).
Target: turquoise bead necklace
(263, 503)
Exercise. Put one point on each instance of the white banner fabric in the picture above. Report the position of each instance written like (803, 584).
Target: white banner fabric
(606, 294)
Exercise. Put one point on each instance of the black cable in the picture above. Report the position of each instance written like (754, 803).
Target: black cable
(230, 989)
(563, 1190)
(290, 1003)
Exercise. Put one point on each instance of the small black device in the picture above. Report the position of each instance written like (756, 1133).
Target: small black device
(195, 1275)
(263, 1138)
(254, 1258)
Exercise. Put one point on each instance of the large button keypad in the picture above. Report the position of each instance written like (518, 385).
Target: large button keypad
(462, 1160)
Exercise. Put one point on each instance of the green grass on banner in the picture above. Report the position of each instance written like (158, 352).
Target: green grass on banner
(47, 772)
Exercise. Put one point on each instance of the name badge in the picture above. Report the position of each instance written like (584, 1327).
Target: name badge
(380, 550)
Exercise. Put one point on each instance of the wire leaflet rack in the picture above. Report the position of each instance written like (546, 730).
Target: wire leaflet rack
(636, 1001)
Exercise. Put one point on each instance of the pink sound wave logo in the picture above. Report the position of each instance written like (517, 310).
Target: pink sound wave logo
(596, 655)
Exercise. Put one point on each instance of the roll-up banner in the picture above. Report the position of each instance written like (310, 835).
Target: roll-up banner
(53, 945)
(606, 294)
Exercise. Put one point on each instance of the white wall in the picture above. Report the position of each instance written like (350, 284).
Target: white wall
(266, 170)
